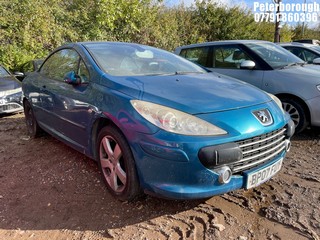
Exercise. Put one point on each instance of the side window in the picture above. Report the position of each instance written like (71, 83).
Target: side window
(83, 72)
(60, 63)
(199, 55)
(310, 56)
(183, 53)
(229, 57)
(298, 52)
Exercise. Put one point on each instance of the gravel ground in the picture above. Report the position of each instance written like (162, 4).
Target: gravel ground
(50, 191)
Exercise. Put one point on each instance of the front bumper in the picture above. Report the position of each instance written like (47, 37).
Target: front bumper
(11, 103)
(172, 169)
(11, 107)
(206, 186)
(173, 173)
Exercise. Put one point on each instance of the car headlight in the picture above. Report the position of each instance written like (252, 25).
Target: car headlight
(277, 100)
(175, 121)
(318, 87)
(10, 92)
(14, 95)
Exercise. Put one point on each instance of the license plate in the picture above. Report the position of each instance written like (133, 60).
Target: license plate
(256, 178)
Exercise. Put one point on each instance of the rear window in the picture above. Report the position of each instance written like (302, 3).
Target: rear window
(198, 55)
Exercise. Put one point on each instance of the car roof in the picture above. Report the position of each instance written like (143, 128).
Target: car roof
(298, 44)
(106, 42)
(310, 41)
(84, 44)
(223, 42)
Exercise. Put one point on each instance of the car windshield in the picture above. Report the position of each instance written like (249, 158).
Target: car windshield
(274, 55)
(315, 47)
(139, 60)
(4, 72)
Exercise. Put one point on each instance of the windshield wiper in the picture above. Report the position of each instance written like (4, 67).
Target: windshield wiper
(157, 74)
(172, 73)
(293, 64)
(186, 72)
(303, 63)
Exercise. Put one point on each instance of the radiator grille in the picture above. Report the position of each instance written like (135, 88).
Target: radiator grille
(10, 107)
(260, 149)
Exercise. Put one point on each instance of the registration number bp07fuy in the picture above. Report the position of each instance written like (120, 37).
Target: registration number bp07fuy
(256, 178)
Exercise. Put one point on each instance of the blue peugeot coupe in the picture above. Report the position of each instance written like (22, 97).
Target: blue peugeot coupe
(155, 122)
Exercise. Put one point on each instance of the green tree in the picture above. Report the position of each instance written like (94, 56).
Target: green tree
(304, 32)
(265, 31)
(114, 20)
(218, 22)
(29, 29)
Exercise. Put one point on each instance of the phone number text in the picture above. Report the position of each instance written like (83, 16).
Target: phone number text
(286, 17)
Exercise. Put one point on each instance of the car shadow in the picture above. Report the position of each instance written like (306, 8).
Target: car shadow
(307, 134)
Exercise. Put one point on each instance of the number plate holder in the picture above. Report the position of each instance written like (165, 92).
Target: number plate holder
(258, 177)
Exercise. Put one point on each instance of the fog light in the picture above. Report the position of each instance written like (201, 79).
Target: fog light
(288, 145)
(290, 128)
(224, 173)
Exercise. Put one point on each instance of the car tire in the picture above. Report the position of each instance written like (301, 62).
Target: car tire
(34, 129)
(117, 164)
(296, 112)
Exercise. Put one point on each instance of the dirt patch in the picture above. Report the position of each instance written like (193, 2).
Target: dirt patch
(50, 191)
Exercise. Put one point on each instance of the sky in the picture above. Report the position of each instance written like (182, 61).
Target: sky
(250, 5)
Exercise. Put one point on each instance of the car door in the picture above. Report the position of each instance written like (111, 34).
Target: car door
(226, 59)
(67, 111)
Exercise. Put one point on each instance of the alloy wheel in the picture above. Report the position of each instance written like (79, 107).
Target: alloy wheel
(112, 164)
(293, 112)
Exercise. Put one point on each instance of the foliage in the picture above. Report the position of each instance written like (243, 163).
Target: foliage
(28, 29)
(32, 28)
(219, 22)
(304, 32)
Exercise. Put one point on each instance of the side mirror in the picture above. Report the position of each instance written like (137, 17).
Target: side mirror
(18, 74)
(72, 78)
(316, 61)
(247, 64)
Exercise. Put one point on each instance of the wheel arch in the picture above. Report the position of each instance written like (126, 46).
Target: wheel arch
(299, 100)
(24, 100)
(98, 124)
(96, 127)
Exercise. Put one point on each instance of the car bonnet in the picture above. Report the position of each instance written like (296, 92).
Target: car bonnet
(192, 93)
(302, 75)
(9, 83)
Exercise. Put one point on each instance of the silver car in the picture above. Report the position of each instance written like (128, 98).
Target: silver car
(10, 93)
(269, 67)
(309, 53)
